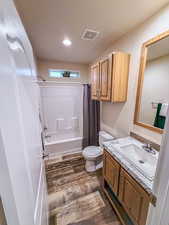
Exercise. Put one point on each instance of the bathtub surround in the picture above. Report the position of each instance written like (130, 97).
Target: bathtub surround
(118, 118)
(45, 65)
(76, 197)
(91, 118)
(62, 116)
(62, 109)
(55, 147)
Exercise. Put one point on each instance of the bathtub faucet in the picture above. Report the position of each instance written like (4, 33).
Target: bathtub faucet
(45, 129)
(47, 136)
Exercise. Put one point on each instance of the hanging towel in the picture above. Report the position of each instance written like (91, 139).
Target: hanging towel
(159, 120)
(164, 109)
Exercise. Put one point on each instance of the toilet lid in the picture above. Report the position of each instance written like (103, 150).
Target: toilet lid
(92, 151)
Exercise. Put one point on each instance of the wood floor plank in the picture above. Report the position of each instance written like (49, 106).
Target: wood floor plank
(75, 196)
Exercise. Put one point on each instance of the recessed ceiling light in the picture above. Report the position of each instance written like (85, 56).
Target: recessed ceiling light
(67, 42)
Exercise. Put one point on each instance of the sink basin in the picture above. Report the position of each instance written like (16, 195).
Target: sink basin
(144, 161)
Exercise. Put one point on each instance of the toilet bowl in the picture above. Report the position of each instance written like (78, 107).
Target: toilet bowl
(93, 154)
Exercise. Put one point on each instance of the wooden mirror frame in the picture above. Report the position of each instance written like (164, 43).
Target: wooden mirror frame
(143, 59)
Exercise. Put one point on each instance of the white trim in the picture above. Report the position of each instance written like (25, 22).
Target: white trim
(58, 82)
(159, 215)
(38, 193)
(75, 71)
(6, 189)
(165, 215)
(41, 210)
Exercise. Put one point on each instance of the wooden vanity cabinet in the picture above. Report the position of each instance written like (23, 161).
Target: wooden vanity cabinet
(133, 199)
(109, 78)
(111, 172)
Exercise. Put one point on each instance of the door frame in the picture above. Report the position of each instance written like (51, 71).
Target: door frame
(6, 190)
(159, 215)
(16, 189)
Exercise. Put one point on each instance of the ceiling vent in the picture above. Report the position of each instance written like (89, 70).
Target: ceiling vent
(89, 34)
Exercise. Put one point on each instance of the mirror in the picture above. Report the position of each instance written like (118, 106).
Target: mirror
(153, 85)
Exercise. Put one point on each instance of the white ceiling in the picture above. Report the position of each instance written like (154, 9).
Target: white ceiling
(48, 22)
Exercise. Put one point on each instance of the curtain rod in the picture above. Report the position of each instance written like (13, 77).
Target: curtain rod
(58, 82)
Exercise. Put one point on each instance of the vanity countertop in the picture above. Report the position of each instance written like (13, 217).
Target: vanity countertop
(131, 169)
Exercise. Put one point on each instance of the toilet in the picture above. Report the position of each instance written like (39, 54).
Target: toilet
(93, 154)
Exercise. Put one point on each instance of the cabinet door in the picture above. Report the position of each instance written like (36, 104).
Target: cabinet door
(120, 65)
(111, 172)
(133, 198)
(95, 81)
(105, 79)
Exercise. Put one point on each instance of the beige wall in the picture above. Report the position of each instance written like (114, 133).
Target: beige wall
(44, 65)
(118, 118)
(155, 87)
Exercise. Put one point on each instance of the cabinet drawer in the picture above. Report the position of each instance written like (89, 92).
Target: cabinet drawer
(111, 171)
(133, 198)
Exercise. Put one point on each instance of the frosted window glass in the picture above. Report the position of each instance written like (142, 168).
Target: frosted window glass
(63, 73)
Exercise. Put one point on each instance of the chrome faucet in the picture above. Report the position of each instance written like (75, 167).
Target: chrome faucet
(47, 136)
(45, 129)
(148, 148)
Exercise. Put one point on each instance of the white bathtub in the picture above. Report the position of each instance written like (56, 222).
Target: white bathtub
(57, 145)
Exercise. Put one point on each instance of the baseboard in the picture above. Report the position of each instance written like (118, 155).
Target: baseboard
(39, 197)
(41, 212)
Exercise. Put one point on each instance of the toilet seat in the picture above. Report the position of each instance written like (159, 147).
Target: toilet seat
(92, 152)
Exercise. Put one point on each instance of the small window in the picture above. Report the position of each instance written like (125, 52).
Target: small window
(63, 73)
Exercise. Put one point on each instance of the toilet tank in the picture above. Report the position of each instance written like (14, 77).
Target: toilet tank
(104, 136)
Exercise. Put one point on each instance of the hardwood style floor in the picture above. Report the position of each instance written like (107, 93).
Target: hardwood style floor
(75, 196)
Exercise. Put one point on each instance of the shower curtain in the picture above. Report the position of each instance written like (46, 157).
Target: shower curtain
(91, 118)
